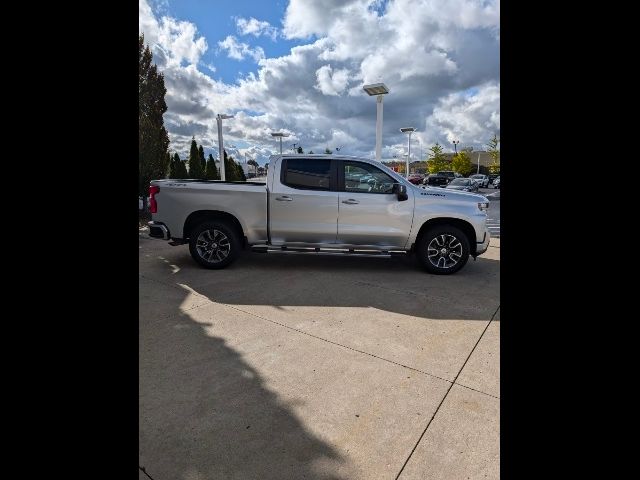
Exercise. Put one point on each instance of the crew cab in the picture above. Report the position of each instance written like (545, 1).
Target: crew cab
(321, 204)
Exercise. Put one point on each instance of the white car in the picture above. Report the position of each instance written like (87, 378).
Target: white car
(481, 180)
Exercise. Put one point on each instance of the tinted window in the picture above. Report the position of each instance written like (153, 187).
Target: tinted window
(308, 174)
(365, 178)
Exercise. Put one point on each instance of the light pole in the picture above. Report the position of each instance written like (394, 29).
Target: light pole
(455, 146)
(408, 130)
(478, 162)
(279, 135)
(219, 119)
(379, 90)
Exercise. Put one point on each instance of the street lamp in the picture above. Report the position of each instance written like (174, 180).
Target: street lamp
(379, 90)
(219, 119)
(408, 130)
(455, 145)
(279, 135)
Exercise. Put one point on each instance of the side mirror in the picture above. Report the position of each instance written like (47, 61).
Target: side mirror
(401, 191)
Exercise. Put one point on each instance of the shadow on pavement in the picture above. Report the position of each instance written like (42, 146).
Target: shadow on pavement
(206, 414)
(396, 284)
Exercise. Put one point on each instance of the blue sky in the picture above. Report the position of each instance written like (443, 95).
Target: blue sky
(215, 21)
(299, 66)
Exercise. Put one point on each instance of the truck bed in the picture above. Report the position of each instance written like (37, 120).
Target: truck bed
(180, 198)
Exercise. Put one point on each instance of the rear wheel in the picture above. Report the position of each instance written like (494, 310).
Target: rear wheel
(443, 250)
(214, 244)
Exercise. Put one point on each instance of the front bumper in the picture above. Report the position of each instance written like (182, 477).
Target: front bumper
(481, 247)
(159, 230)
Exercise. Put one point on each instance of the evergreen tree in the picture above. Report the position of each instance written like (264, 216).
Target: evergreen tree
(153, 140)
(328, 151)
(182, 168)
(230, 171)
(211, 172)
(310, 152)
(300, 150)
(174, 166)
(203, 161)
(195, 164)
(241, 176)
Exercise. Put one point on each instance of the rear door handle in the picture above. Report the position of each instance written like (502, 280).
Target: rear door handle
(351, 201)
(284, 198)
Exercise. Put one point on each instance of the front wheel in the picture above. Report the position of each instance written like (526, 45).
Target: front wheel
(214, 244)
(443, 250)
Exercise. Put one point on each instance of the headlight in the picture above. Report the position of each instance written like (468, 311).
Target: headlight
(483, 206)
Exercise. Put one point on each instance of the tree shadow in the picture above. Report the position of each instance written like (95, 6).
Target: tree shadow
(205, 413)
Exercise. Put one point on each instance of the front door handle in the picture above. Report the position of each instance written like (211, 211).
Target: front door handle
(284, 198)
(351, 201)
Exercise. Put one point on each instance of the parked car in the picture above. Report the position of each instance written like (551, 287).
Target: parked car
(483, 180)
(318, 205)
(496, 182)
(416, 178)
(441, 179)
(492, 177)
(465, 184)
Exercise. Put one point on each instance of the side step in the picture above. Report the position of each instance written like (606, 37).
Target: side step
(340, 252)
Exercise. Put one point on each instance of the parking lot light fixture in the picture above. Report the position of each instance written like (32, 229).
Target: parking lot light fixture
(279, 135)
(408, 130)
(378, 90)
(219, 119)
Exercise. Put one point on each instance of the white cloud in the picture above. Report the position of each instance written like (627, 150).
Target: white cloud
(238, 50)
(174, 41)
(256, 28)
(331, 83)
(439, 58)
(471, 117)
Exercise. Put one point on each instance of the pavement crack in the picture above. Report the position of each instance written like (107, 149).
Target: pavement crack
(339, 344)
(143, 470)
(446, 395)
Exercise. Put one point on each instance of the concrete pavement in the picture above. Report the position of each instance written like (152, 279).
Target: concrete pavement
(317, 367)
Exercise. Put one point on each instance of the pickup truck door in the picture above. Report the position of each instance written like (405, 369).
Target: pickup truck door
(369, 212)
(303, 204)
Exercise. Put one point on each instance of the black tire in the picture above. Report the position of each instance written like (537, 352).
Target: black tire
(449, 238)
(209, 241)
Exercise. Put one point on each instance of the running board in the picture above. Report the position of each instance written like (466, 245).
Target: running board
(327, 251)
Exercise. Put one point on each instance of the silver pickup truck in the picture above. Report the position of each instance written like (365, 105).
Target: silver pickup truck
(321, 204)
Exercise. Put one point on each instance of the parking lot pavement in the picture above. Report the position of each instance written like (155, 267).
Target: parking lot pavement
(317, 367)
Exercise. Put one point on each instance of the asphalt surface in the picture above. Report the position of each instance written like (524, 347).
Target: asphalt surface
(323, 368)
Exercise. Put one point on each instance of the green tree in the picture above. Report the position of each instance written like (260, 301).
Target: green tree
(461, 163)
(240, 173)
(437, 161)
(182, 169)
(203, 161)
(211, 172)
(494, 153)
(153, 140)
(230, 171)
(328, 151)
(300, 150)
(254, 164)
(195, 164)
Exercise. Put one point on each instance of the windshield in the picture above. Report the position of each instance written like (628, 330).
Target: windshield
(476, 176)
(459, 181)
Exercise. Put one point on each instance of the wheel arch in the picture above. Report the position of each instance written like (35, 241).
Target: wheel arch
(199, 216)
(463, 225)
